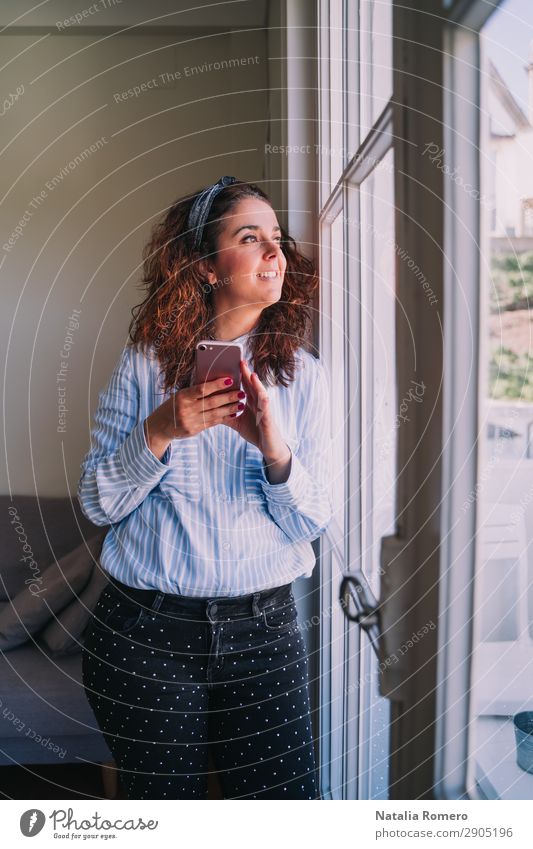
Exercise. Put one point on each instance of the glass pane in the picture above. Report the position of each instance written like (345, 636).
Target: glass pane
(379, 749)
(530, 598)
(381, 56)
(499, 602)
(336, 94)
(376, 59)
(338, 373)
(503, 639)
(379, 435)
(351, 66)
(381, 415)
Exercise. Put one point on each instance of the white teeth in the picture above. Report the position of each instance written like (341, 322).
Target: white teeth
(267, 274)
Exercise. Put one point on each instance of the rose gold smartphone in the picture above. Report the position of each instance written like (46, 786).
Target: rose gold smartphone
(216, 359)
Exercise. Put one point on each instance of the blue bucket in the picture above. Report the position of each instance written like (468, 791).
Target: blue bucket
(523, 729)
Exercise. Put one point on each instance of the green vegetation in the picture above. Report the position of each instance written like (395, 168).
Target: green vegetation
(512, 282)
(511, 371)
(510, 375)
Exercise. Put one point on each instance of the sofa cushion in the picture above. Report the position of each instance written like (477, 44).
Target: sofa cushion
(64, 633)
(35, 532)
(44, 695)
(34, 606)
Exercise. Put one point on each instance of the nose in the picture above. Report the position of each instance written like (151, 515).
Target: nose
(271, 247)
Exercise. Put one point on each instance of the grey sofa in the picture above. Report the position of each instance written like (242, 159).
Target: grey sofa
(44, 714)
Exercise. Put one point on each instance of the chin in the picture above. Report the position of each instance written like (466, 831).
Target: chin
(274, 299)
(272, 291)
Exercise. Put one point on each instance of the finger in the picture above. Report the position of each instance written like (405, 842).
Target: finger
(216, 401)
(263, 402)
(202, 390)
(258, 387)
(212, 417)
(246, 376)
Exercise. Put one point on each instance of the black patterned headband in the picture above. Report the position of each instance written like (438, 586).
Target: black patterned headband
(200, 209)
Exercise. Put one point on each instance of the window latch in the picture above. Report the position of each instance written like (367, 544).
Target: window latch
(360, 605)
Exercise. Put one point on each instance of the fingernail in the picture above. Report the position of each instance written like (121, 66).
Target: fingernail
(240, 407)
(232, 416)
(241, 394)
(228, 381)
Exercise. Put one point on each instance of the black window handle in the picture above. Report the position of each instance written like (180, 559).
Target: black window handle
(360, 605)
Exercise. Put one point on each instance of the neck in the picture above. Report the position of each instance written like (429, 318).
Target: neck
(225, 329)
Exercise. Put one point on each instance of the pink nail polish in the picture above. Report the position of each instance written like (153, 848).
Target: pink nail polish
(228, 381)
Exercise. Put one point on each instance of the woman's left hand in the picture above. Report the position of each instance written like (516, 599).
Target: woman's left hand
(256, 423)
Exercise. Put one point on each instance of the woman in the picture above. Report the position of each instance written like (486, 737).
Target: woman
(195, 641)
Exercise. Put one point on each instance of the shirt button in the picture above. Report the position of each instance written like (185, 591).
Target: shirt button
(222, 454)
(226, 545)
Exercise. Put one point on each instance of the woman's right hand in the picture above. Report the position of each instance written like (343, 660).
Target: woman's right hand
(189, 411)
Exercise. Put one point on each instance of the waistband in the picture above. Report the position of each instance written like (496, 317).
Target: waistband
(204, 607)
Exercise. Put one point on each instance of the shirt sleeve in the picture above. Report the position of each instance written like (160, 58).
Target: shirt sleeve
(119, 470)
(302, 505)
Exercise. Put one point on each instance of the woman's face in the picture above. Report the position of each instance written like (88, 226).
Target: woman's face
(249, 266)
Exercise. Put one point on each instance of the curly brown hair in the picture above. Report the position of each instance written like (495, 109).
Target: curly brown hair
(178, 308)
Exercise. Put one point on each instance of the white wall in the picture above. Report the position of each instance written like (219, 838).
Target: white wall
(81, 248)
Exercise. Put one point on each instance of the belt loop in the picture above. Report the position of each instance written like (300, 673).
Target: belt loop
(255, 606)
(158, 600)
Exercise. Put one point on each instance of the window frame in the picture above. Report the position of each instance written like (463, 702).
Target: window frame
(345, 717)
(462, 354)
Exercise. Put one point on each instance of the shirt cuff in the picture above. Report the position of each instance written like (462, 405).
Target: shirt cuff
(290, 491)
(141, 466)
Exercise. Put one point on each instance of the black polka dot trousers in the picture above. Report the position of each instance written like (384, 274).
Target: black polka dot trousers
(168, 676)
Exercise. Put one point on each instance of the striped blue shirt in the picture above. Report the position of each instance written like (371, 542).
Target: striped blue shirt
(204, 520)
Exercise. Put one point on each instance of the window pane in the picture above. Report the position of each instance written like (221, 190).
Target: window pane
(336, 153)
(378, 450)
(503, 644)
(351, 66)
(381, 417)
(338, 372)
(332, 273)
(499, 601)
(376, 59)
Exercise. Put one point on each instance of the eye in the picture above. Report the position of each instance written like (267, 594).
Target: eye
(277, 239)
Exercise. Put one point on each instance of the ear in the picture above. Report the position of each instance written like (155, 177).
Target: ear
(207, 270)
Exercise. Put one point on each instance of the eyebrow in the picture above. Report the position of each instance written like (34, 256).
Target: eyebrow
(253, 227)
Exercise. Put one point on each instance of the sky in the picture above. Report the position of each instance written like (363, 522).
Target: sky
(509, 33)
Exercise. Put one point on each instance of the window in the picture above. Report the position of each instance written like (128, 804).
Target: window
(527, 217)
(375, 18)
(357, 261)
(503, 649)
(378, 389)
(486, 646)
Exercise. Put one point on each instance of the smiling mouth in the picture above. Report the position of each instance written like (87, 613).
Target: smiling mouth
(268, 275)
